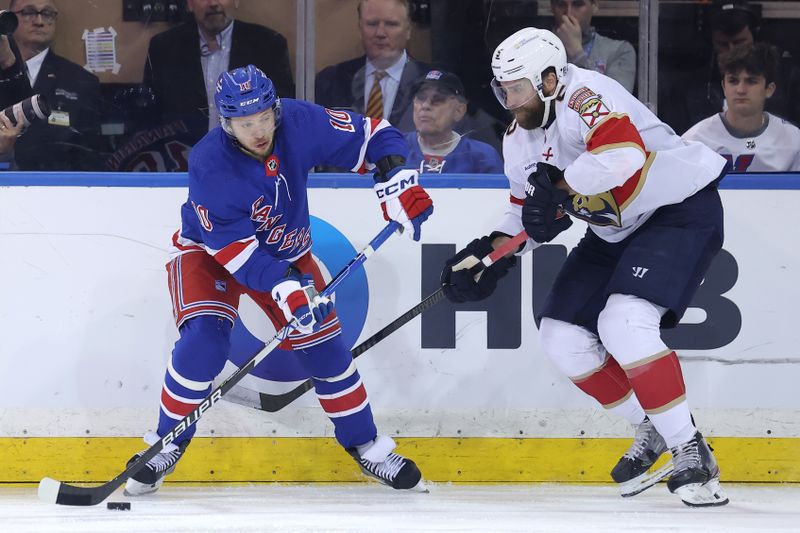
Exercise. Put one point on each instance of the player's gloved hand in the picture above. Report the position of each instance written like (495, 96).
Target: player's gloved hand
(542, 215)
(466, 279)
(298, 299)
(404, 200)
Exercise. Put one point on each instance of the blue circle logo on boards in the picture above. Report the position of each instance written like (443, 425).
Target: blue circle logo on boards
(334, 251)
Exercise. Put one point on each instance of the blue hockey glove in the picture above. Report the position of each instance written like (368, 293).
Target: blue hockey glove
(298, 299)
(542, 214)
(464, 277)
(404, 200)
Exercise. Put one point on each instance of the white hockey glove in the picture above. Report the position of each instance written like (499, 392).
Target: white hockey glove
(299, 300)
(404, 200)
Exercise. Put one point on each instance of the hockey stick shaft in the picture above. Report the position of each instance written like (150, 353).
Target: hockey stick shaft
(53, 491)
(272, 403)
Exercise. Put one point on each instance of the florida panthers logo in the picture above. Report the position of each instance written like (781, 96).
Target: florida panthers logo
(592, 111)
(599, 209)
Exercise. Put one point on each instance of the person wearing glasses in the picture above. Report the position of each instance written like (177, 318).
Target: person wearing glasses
(435, 147)
(69, 139)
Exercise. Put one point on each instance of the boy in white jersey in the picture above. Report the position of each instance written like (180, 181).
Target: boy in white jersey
(580, 142)
(744, 134)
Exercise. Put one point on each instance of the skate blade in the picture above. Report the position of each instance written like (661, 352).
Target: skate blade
(641, 483)
(708, 495)
(134, 488)
(421, 487)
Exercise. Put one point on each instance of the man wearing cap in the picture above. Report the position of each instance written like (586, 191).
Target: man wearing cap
(438, 104)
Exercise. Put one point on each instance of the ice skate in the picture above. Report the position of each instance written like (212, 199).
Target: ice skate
(632, 472)
(378, 461)
(151, 476)
(696, 476)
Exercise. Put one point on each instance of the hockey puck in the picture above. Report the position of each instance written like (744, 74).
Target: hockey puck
(118, 506)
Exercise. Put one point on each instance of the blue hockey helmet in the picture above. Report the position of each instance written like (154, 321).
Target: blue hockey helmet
(245, 91)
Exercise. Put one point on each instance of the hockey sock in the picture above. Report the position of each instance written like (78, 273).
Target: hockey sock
(199, 355)
(340, 390)
(344, 399)
(658, 382)
(609, 385)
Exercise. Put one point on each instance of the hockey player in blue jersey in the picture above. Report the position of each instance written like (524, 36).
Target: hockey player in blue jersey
(246, 230)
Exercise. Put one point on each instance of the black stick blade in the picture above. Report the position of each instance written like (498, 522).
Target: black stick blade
(52, 491)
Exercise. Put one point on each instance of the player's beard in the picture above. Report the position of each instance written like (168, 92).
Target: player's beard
(529, 119)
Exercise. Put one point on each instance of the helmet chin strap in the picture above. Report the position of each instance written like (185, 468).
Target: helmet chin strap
(549, 114)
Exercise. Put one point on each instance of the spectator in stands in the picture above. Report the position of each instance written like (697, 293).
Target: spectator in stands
(439, 103)
(379, 83)
(588, 49)
(183, 63)
(70, 139)
(698, 94)
(750, 138)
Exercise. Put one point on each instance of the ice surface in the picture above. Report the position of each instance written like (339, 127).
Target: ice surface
(373, 508)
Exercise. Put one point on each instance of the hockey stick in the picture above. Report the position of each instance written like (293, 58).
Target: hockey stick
(52, 491)
(272, 403)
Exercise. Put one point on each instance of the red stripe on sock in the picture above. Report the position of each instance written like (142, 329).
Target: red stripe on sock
(175, 406)
(351, 400)
(607, 385)
(658, 382)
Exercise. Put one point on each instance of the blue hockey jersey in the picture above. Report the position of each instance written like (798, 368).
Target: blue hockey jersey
(252, 216)
(468, 157)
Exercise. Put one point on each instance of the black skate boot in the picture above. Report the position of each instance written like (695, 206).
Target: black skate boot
(379, 462)
(696, 477)
(632, 470)
(151, 476)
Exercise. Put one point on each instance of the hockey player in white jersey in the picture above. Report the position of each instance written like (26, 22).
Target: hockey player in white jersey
(750, 138)
(581, 142)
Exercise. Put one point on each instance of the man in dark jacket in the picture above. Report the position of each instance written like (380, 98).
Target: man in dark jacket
(70, 138)
(183, 63)
(379, 83)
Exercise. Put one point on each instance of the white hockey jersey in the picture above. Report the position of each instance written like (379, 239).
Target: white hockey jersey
(621, 159)
(775, 148)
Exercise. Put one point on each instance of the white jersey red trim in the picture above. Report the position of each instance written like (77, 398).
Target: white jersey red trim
(621, 159)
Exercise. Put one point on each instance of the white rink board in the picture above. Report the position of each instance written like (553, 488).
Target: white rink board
(86, 325)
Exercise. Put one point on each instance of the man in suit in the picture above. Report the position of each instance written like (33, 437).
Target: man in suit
(70, 138)
(183, 63)
(385, 27)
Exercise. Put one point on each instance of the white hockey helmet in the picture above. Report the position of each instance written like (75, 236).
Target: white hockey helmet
(527, 54)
